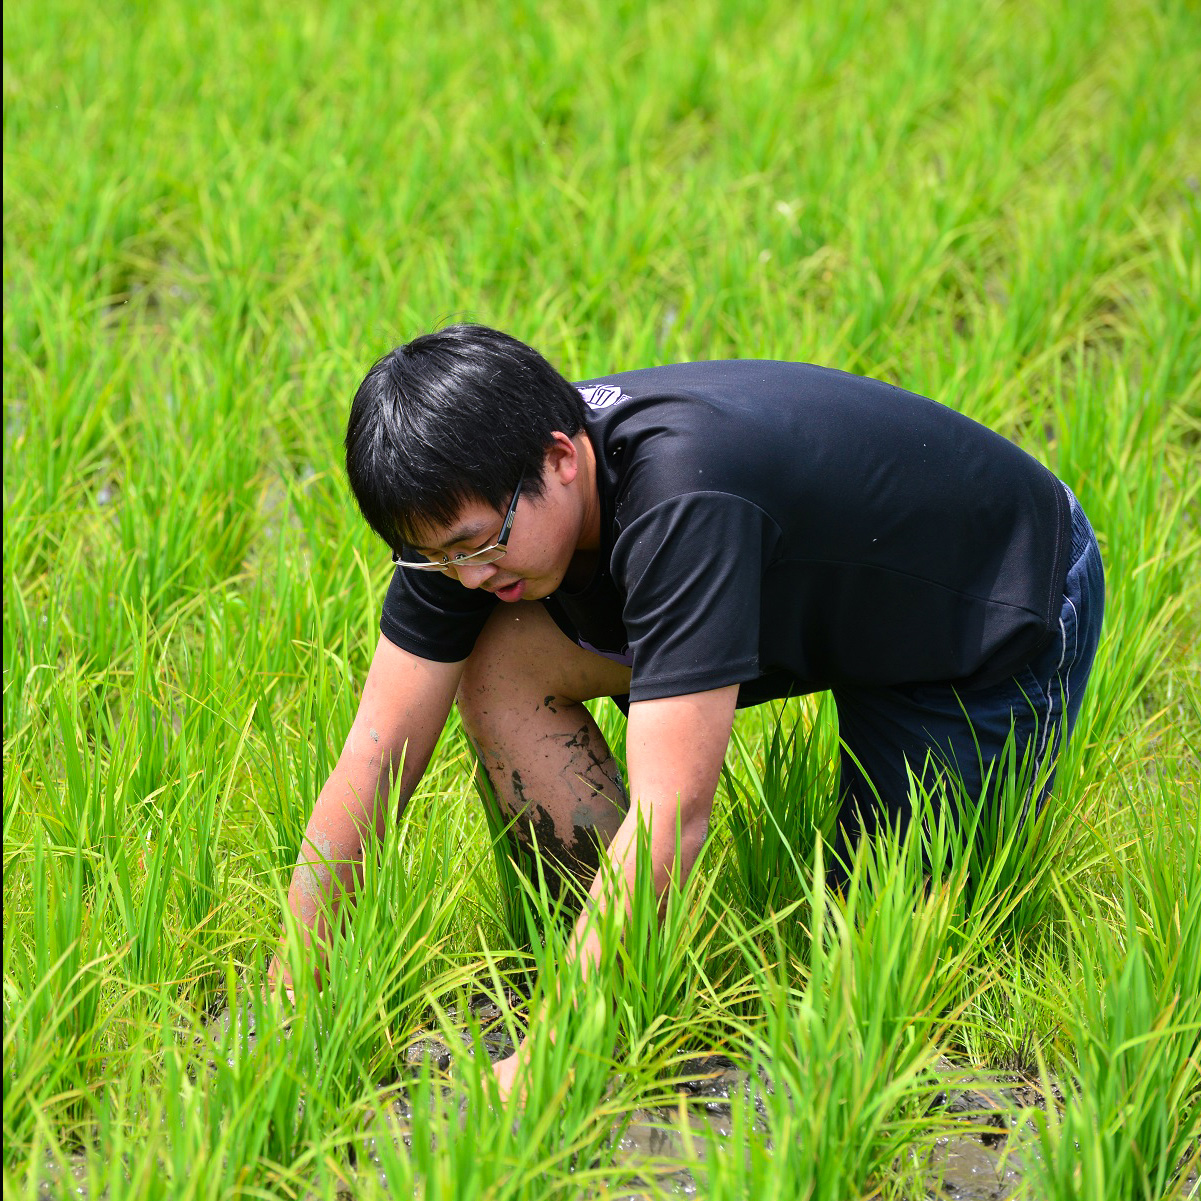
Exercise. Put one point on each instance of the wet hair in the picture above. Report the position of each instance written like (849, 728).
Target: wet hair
(453, 416)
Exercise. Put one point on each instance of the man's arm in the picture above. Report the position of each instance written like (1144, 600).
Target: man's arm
(402, 711)
(674, 752)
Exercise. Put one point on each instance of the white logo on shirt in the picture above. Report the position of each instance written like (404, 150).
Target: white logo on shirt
(601, 396)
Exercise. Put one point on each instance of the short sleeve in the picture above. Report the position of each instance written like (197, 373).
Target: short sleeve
(691, 570)
(433, 616)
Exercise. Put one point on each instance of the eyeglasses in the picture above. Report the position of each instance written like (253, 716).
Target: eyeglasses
(477, 558)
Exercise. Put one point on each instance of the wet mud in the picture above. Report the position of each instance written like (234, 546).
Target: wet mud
(576, 858)
(976, 1159)
(980, 1156)
(984, 1160)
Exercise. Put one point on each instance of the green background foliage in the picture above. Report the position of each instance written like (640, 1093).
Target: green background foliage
(217, 215)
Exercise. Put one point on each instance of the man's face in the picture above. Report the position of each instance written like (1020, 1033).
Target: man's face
(543, 537)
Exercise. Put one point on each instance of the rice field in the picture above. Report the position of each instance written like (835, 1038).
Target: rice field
(216, 216)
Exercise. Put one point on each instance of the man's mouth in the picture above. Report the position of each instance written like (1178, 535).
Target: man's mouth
(511, 592)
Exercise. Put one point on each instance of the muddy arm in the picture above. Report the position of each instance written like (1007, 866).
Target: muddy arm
(674, 751)
(403, 708)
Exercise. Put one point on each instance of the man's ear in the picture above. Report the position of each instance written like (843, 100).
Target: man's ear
(562, 458)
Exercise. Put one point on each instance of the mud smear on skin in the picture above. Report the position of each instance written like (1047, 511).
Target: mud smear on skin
(601, 776)
(535, 832)
(313, 878)
(595, 776)
(581, 740)
(534, 826)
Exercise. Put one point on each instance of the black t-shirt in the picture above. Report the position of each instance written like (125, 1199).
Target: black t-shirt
(765, 518)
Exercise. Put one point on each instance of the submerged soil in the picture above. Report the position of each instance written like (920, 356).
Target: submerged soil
(978, 1158)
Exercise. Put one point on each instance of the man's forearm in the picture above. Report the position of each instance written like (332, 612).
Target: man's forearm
(349, 815)
(615, 881)
(401, 713)
(675, 748)
(331, 855)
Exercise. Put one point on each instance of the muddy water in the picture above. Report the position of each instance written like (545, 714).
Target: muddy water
(976, 1159)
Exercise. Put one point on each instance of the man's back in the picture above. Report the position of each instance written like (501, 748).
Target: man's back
(759, 516)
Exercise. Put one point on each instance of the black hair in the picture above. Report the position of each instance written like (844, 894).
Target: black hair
(453, 416)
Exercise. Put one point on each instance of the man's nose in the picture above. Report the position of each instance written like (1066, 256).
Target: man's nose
(472, 575)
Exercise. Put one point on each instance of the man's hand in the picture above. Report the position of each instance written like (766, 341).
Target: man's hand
(506, 1072)
(279, 976)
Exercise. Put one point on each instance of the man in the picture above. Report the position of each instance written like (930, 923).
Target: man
(690, 539)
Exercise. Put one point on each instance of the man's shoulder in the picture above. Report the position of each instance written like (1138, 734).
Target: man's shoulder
(769, 392)
(687, 429)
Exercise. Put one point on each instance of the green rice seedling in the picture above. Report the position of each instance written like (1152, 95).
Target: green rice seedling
(295, 757)
(96, 633)
(778, 813)
(1164, 873)
(71, 386)
(281, 815)
(204, 904)
(1165, 316)
(91, 803)
(1014, 852)
(197, 790)
(749, 1158)
(35, 651)
(383, 960)
(844, 1049)
(239, 1108)
(394, 1157)
(452, 1143)
(1014, 1016)
(52, 995)
(122, 1148)
(15, 777)
(142, 735)
(552, 1137)
(203, 881)
(243, 1107)
(176, 493)
(665, 984)
(908, 948)
(1112, 450)
(463, 1143)
(140, 889)
(1132, 1114)
(1129, 1124)
(208, 233)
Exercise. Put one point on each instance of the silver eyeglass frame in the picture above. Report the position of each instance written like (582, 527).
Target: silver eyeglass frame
(477, 558)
